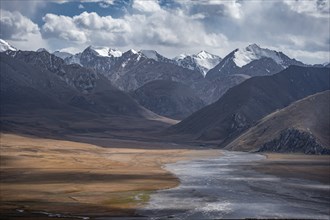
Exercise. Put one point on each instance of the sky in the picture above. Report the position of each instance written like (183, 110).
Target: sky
(299, 28)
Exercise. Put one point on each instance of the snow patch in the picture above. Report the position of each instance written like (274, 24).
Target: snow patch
(106, 52)
(101, 51)
(4, 46)
(115, 53)
(133, 51)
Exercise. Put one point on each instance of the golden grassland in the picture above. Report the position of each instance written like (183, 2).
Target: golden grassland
(75, 178)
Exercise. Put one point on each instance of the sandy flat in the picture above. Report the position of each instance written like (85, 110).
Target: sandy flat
(81, 179)
(311, 167)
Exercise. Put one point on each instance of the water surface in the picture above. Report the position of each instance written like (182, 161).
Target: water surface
(224, 188)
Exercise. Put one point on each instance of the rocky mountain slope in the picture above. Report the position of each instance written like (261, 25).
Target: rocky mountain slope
(251, 100)
(171, 99)
(131, 70)
(301, 127)
(62, 55)
(253, 61)
(70, 85)
(242, 64)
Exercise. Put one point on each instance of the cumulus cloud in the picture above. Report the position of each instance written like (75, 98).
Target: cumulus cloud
(317, 8)
(62, 27)
(228, 8)
(146, 6)
(283, 25)
(110, 2)
(147, 25)
(297, 27)
(27, 8)
(15, 26)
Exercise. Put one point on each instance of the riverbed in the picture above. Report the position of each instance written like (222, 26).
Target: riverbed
(226, 188)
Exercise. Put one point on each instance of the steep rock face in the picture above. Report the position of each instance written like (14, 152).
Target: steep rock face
(62, 55)
(25, 87)
(74, 75)
(171, 99)
(294, 141)
(251, 100)
(152, 54)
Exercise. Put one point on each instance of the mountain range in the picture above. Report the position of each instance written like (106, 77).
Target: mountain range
(208, 75)
(41, 93)
(234, 105)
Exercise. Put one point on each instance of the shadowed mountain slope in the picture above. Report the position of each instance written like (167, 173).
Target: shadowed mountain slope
(45, 75)
(303, 126)
(35, 100)
(248, 102)
(168, 98)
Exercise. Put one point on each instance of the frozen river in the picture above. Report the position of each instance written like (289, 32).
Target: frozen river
(222, 188)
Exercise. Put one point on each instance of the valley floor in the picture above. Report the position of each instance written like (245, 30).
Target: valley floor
(45, 177)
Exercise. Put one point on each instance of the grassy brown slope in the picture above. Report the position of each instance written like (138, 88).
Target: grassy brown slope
(310, 115)
(82, 179)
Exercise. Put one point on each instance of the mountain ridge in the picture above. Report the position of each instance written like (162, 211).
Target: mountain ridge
(244, 104)
(303, 126)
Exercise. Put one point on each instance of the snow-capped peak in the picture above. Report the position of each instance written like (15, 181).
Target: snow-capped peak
(252, 52)
(205, 55)
(133, 51)
(105, 51)
(202, 61)
(100, 51)
(4, 46)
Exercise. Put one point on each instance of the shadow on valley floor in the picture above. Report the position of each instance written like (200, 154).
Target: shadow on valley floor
(109, 131)
(46, 176)
(21, 214)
